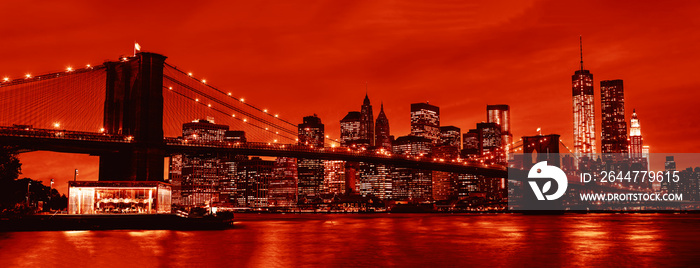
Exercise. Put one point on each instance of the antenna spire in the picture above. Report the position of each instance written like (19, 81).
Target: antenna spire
(580, 43)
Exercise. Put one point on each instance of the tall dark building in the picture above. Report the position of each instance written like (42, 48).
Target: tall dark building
(584, 111)
(199, 176)
(490, 140)
(367, 122)
(669, 165)
(500, 114)
(252, 182)
(228, 186)
(470, 143)
(445, 183)
(614, 127)
(310, 171)
(408, 183)
(375, 179)
(425, 121)
(350, 130)
(383, 138)
(688, 183)
(334, 177)
(282, 191)
(451, 136)
(311, 131)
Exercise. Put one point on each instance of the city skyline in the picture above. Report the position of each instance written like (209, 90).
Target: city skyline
(349, 133)
(539, 66)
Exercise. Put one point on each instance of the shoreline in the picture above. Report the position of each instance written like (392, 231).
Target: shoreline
(63, 222)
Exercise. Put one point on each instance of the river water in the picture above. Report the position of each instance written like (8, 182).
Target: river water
(312, 240)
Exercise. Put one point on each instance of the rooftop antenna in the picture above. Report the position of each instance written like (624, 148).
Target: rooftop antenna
(580, 43)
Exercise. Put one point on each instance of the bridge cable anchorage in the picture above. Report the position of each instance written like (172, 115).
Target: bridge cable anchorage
(188, 75)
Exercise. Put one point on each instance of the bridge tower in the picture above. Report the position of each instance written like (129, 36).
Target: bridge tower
(545, 146)
(134, 107)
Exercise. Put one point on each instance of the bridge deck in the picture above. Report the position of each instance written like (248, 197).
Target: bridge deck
(100, 143)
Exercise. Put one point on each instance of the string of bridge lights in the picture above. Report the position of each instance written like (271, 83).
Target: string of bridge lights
(242, 100)
(244, 120)
(70, 69)
(167, 77)
(203, 81)
(6, 79)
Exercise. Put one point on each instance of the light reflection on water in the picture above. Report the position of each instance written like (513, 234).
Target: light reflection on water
(376, 239)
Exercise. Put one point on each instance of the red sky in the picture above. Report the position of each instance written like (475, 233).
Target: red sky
(303, 57)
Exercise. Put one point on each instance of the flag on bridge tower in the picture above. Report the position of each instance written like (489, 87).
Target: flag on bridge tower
(137, 48)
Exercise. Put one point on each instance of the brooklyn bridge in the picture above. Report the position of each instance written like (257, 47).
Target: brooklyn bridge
(129, 113)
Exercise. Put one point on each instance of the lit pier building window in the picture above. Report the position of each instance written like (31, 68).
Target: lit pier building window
(118, 197)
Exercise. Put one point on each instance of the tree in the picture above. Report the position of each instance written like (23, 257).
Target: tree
(13, 191)
(10, 168)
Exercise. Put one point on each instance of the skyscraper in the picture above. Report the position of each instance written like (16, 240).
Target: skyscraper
(311, 132)
(310, 171)
(175, 178)
(282, 191)
(412, 146)
(584, 111)
(367, 122)
(383, 138)
(252, 182)
(666, 185)
(614, 127)
(470, 143)
(350, 129)
(334, 177)
(376, 180)
(203, 131)
(636, 142)
(228, 185)
(500, 114)
(445, 183)
(200, 174)
(408, 183)
(451, 136)
(425, 121)
(490, 141)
